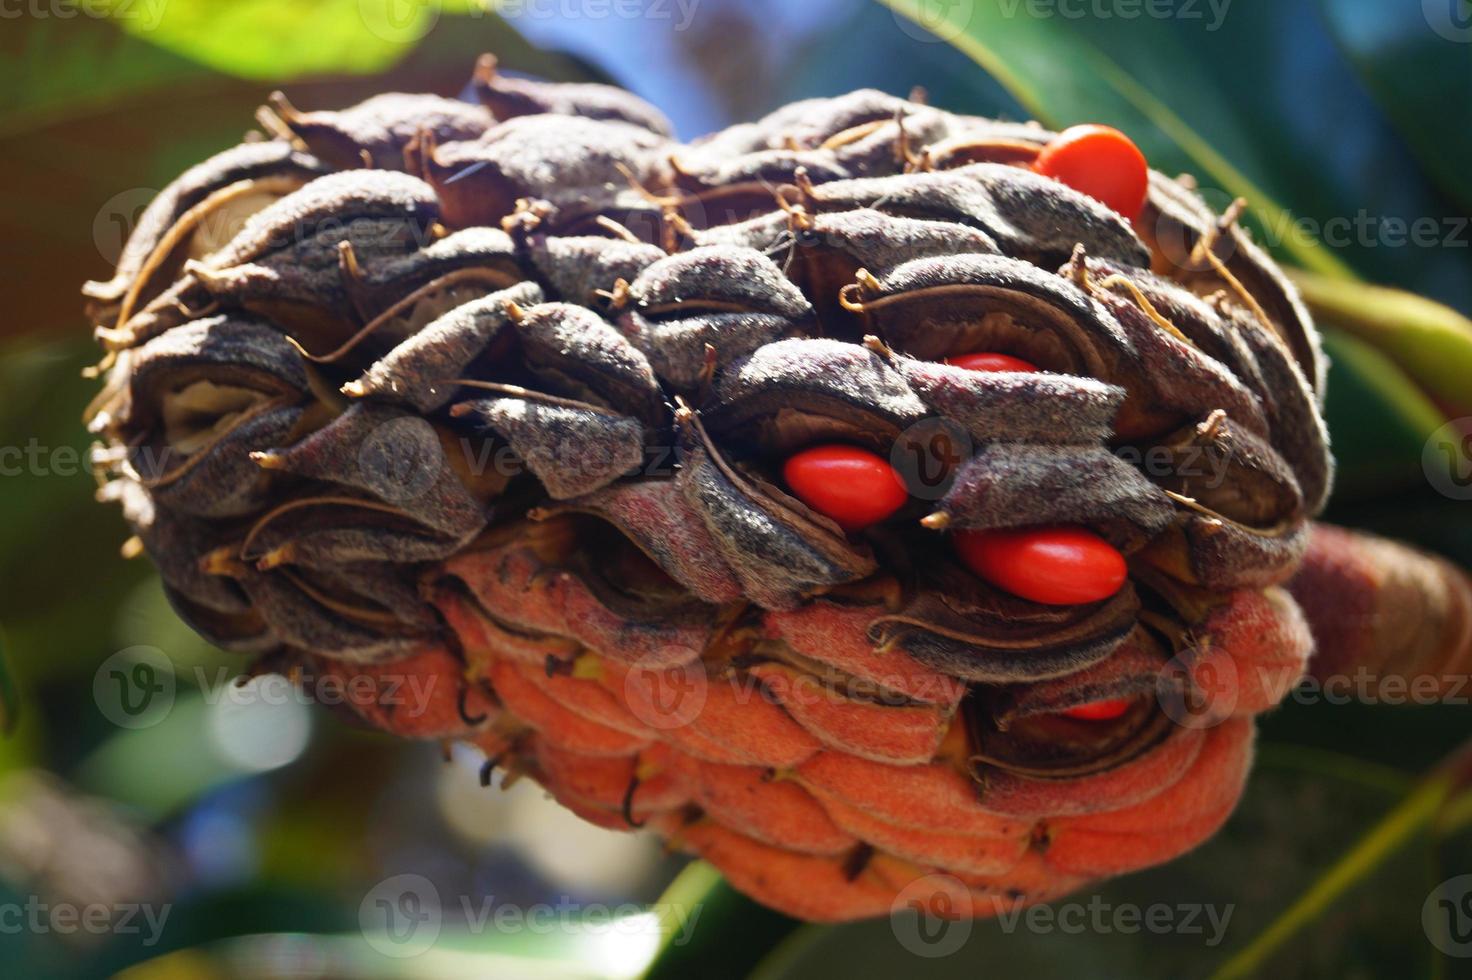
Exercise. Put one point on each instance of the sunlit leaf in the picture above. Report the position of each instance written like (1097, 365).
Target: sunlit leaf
(1057, 72)
(265, 39)
(1431, 342)
(53, 69)
(718, 932)
(1379, 418)
(1408, 822)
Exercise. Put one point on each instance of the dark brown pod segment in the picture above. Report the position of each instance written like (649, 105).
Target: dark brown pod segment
(778, 548)
(299, 261)
(375, 132)
(698, 311)
(956, 624)
(578, 354)
(1026, 215)
(176, 543)
(1019, 485)
(1258, 359)
(331, 203)
(316, 529)
(585, 269)
(572, 448)
(565, 160)
(936, 307)
(661, 522)
(188, 386)
(217, 478)
(507, 96)
(1210, 253)
(198, 213)
(1136, 669)
(795, 392)
(823, 253)
(397, 457)
(1054, 409)
(302, 621)
(974, 139)
(422, 370)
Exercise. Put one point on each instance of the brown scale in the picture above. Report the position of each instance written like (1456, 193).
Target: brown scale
(197, 214)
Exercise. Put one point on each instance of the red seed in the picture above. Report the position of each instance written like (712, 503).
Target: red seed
(1100, 710)
(1101, 162)
(1059, 566)
(853, 486)
(983, 361)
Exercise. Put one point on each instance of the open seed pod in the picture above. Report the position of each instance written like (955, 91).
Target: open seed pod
(836, 496)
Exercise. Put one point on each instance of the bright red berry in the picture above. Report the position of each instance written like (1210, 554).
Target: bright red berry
(1058, 566)
(855, 487)
(1101, 162)
(1100, 710)
(982, 361)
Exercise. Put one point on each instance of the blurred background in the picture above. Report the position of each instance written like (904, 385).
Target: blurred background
(221, 836)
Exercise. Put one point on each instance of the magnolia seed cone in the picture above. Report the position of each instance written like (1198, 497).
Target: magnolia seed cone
(489, 400)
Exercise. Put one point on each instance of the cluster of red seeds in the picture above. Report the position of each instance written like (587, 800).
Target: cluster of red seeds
(1051, 565)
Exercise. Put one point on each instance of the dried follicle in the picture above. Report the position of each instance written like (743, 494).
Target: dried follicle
(179, 224)
(572, 449)
(420, 371)
(375, 132)
(564, 160)
(583, 268)
(1024, 216)
(508, 96)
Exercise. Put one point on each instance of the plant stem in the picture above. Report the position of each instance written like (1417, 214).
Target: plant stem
(1415, 813)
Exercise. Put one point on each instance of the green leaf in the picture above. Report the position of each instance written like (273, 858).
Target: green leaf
(717, 932)
(1379, 419)
(266, 39)
(1062, 76)
(52, 69)
(1431, 342)
(1408, 822)
(1413, 58)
